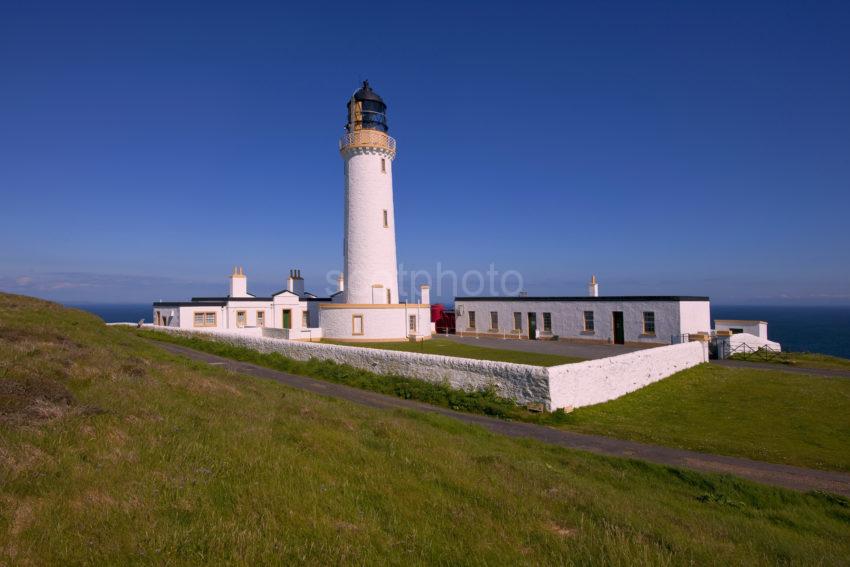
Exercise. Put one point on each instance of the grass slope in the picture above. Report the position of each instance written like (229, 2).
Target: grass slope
(803, 360)
(450, 348)
(764, 415)
(112, 451)
(769, 416)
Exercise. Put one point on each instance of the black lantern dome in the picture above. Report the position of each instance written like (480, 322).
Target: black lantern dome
(366, 110)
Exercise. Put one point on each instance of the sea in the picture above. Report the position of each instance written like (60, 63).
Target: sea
(800, 329)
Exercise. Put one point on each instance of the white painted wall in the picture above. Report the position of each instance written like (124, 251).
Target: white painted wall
(694, 317)
(568, 318)
(378, 323)
(597, 381)
(369, 246)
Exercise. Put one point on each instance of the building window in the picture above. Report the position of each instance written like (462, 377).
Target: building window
(588, 322)
(389, 297)
(472, 319)
(240, 318)
(412, 323)
(547, 322)
(205, 319)
(517, 321)
(386, 219)
(383, 165)
(494, 320)
(649, 322)
(305, 319)
(357, 324)
(261, 318)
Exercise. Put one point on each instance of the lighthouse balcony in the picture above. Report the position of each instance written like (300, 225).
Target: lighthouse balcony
(367, 139)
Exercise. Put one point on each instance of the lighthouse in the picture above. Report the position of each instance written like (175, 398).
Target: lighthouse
(371, 273)
(369, 306)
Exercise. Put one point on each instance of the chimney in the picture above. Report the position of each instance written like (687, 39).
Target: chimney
(295, 283)
(425, 294)
(340, 282)
(238, 283)
(593, 287)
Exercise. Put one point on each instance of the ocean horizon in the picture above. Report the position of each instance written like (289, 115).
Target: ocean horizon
(823, 330)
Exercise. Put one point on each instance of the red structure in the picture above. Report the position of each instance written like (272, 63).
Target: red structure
(443, 318)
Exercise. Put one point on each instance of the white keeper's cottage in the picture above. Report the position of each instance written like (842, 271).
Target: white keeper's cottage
(629, 320)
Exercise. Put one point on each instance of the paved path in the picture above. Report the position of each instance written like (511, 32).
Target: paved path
(795, 478)
(828, 372)
(564, 348)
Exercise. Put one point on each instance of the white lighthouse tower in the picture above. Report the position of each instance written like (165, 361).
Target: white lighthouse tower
(370, 307)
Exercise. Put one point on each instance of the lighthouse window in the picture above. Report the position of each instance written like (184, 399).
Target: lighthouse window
(412, 323)
(383, 165)
(386, 219)
(357, 324)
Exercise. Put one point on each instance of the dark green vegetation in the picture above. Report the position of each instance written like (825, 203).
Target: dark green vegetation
(802, 359)
(114, 452)
(451, 348)
(765, 415)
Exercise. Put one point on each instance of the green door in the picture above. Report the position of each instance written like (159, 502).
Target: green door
(619, 329)
(287, 318)
(532, 326)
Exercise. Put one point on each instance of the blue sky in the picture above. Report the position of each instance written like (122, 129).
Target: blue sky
(671, 147)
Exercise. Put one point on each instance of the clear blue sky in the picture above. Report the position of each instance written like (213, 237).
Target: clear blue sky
(673, 147)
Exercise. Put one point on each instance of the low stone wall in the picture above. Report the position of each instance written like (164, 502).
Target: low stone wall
(524, 383)
(568, 385)
(597, 381)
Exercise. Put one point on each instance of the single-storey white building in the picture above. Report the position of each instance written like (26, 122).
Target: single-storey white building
(613, 319)
(738, 326)
(293, 310)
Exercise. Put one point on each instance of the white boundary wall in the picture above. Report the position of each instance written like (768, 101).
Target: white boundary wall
(524, 383)
(578, 384)
(596, 381)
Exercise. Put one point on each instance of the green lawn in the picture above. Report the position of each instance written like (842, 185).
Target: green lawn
(115, 452)
(772, 416)
(446, 347)
(765, 415)
(804, 360)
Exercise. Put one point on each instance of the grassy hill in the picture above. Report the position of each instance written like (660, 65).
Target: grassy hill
(112, 451)
(775, 416)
